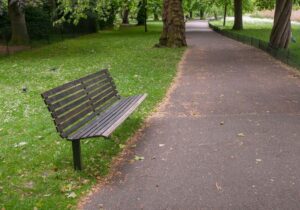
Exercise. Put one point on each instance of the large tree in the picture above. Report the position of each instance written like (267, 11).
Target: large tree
(281, 32)
(18, 23)
(238, 15)
(173, 34)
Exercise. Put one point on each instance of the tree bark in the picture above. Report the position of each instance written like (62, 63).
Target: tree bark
(238, 15)
(281, 32)
(173, 34)
(18, 24)
(125, 15)
(225, 14)
(191, 14)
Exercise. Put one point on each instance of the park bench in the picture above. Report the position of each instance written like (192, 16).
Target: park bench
(88, 107)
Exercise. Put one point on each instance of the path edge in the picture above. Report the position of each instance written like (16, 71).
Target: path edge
(121, 158)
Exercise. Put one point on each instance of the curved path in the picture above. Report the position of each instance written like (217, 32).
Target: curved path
(228, 137)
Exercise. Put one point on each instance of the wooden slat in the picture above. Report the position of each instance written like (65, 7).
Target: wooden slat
(103, 79)
(67, 132)
(71, 106)
(107, 104)
(66, 114)
(94, 123)
(125, 115)
(104, 125)
(98, 104)
(75, 118)
(70, 84)
(108, 92)
(68, 99)
(72, 114)
(64, 94)
(102, 119)
(115, 116)
(98, 86)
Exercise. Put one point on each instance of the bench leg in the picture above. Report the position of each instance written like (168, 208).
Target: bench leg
(76, 154)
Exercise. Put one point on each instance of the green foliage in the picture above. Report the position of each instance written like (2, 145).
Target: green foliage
(107, 13)
(72, 11)
(36, 169)
(38, 22)
(154, 7)
(141, 15)
(264, 4)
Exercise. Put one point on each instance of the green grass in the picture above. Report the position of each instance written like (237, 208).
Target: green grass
(35, 163)
(262, 31)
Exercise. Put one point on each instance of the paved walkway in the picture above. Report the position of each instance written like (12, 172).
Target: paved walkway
(228, 138)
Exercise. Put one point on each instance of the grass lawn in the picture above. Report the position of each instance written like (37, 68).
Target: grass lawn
(262, 31)
(35, 163)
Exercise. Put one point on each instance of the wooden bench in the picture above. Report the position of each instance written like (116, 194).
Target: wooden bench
(88, 107)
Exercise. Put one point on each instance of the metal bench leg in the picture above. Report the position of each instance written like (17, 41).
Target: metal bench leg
(76, 154)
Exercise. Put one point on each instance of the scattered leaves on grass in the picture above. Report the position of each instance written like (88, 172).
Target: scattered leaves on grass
(71, 195)
(121, 146)
(21, 144)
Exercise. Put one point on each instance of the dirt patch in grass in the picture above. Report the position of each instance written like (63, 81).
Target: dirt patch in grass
(6, 50)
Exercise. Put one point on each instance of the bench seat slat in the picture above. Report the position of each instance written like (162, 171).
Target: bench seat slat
(104, 116)
(120, 119)
(104, 124)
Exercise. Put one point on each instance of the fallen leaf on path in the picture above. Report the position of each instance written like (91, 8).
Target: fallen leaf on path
(161, 145)
(121, 146)
(219, 188)
(258, 160)
(138, 158)
(241, 135)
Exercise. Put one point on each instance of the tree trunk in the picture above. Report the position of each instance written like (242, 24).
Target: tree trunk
(18, 24)
(201, 14)
(191, 14)
(125, 15)
(281, 32)
(173, 34)
(238, 15)
(225, 14)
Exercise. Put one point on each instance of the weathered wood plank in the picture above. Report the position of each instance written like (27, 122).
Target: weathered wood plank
(72, 83)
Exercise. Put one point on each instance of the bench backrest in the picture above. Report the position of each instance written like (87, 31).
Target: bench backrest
(75, 103)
